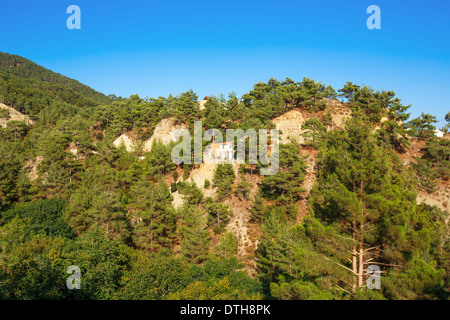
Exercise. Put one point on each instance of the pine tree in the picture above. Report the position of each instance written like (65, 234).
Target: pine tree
(257, 210)
(366, 196)
(9, 173)
(285, 186)
(349, 91)
(194, 235)
(154, 222)
(227, 246)
(276, 250)
(219, 214)
(243, 188)
(422, 126)
(315, 129)
(223, 180)
(447, 119)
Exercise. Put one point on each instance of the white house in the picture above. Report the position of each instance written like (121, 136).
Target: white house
(438, 133)
(220, 151)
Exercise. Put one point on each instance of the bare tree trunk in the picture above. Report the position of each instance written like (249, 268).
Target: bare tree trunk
(361, 258)
(361, 239)
(354, 260)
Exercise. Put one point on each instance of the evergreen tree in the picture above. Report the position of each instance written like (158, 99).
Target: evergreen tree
(315, 129)
(285, 186)
(223, 180)
(154, 222)
(219, 214)
(422, 126)
(365, 195)
(349, 91)
(257, 210)
(194, 235)
(227, 246)
(243, 188)
(447, 119)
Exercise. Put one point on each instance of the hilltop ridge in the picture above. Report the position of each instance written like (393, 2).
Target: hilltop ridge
(30, 88)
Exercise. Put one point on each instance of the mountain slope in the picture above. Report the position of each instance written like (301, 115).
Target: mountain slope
(29, 88)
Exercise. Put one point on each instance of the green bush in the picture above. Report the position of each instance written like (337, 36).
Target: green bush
(44, 217)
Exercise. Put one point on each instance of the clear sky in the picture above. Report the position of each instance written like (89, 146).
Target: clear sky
(154, 48)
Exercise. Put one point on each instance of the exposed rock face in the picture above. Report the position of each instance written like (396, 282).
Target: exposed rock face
(290, 126)
(14, 115)
(440, 198)
(201, 104)
(177, 199)
(199, 175)
(165, 132)
(290, 123)
(339, 112)
(125, 140)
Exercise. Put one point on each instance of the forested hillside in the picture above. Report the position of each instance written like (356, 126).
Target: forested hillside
(30, 88)
(140, 227)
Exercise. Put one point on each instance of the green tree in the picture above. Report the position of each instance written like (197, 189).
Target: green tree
(422, 126)
(257, 210)
(103, 263)
(349, 91)
(365, 195)
(243, 188)
(153, 277)
(315, 129)
(227, 247)
(219, 290)
(223, 180)
(10, 166)
(34, 269)
(44, 217)
(285, 186)
(154, 220)
(194, 235)
(447, 119)
(159, 160)
(219, 214)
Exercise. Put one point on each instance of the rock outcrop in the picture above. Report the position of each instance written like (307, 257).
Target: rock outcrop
(14, 115)
(165, 132)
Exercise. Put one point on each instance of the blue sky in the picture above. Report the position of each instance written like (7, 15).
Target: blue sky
(154, 48)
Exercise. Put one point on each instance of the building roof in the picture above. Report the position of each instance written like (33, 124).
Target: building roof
(217, 145)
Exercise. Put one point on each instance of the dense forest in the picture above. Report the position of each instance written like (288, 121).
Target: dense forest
(111, 212)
